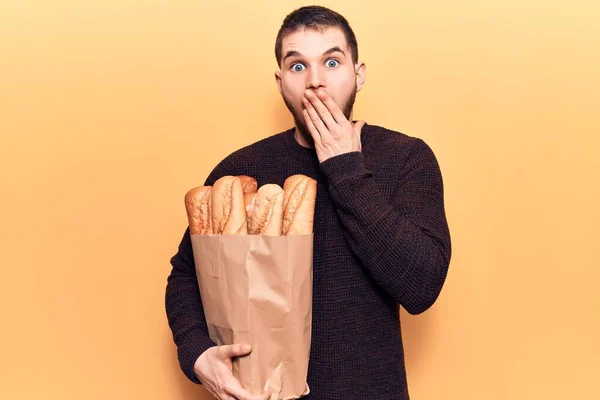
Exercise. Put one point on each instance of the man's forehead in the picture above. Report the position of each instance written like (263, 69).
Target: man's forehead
(314, 42)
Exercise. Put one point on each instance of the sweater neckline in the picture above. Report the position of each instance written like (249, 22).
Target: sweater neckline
(297, 150)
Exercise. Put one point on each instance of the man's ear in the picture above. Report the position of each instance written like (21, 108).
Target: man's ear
(278, 80)
(361, 75)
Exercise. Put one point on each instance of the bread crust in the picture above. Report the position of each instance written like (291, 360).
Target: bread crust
(300, 192)
(249, 201)
(198, 205)
(249, 184)
(234, 205)
(228, 207)
(267, 211)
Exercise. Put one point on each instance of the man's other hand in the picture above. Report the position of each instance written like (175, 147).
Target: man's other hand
(214, 369)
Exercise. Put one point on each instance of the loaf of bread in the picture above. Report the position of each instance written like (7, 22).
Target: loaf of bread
(300, 193)
(235, 205)
(266, 212)
(249, 201)
(197, 205)
(249, 184)
(249, 187)
(228, 210)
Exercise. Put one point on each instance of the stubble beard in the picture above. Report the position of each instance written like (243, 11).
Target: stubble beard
(299, 118)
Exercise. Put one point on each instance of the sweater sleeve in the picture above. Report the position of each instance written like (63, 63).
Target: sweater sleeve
(403, 242)
(183, 304)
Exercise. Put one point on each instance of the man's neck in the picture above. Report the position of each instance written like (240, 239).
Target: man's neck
(301, 140)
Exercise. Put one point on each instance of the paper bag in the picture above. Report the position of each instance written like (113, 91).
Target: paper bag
(258, 289)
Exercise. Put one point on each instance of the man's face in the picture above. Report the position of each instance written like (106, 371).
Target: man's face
(312, 59)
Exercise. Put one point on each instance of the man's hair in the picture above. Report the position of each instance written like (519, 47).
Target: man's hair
(316, 18)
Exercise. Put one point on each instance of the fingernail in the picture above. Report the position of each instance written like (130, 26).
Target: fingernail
(246, 347)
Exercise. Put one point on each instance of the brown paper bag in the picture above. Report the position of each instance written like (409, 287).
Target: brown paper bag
(258, 289)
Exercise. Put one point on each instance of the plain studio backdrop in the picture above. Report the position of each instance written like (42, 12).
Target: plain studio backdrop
(111, 110)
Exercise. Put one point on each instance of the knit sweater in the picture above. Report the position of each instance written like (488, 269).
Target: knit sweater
(381, 240)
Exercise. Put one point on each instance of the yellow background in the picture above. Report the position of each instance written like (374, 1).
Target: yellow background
(111, 110)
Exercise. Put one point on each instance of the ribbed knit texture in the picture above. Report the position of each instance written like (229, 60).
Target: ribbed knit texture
(381, 239)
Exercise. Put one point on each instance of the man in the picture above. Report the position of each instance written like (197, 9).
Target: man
(380, 233)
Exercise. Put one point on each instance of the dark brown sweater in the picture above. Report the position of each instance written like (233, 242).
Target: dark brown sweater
(380, 240)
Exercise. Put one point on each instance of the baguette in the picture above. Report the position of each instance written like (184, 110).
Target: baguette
(249, 187)
(249, 201)
(197, 205)
(267, 211)
(227, 207)
(249, 184)
(300, 193)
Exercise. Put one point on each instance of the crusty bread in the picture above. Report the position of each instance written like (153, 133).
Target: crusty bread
(299, 197)
(227, 207)
(249, 187)
(197, 205)
(249, 201)
(267, 211)
(249, 184)
(233, 205)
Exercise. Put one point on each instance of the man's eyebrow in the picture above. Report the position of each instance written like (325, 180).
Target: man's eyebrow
(291, 53)
(333, 50)
(294, 53)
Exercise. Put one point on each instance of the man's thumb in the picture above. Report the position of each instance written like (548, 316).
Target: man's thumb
(235, 350)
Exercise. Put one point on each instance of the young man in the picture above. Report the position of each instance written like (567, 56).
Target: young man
(380, 233)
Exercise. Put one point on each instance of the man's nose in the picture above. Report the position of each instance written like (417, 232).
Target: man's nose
(315, 79)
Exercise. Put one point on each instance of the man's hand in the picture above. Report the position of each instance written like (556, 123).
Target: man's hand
(214, 367)
(332, 132)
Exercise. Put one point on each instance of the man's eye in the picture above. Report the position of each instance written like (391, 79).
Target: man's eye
(332, 63)
(297, 67)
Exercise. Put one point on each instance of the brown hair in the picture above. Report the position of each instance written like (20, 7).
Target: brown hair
(317, 18)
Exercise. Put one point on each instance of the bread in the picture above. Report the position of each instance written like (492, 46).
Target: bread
(249, 187)
(234, 205)
(249, 184)
(227, 207)
(249, 201)
(197, 205)
(267, 211)
(300, 193)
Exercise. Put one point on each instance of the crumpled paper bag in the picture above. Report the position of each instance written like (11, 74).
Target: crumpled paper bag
(258, 289)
